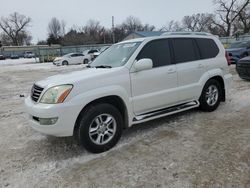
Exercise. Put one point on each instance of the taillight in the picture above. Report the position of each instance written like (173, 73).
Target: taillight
(228, 59)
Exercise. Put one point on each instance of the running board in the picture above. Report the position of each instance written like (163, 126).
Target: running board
(165, 112)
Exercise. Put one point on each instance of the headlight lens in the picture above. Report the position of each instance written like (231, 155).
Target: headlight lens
(56, 94)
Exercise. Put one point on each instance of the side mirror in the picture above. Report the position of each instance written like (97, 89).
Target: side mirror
(143, 64)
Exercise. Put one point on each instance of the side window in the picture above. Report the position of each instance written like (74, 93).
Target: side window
(185, 50)
(73, 55)
(208, 48)
(158, 51)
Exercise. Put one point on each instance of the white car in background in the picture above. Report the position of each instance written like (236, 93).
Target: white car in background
(29, 54)
(70, 59)
(90, 55)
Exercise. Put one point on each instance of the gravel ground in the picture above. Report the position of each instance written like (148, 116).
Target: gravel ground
(190, 149)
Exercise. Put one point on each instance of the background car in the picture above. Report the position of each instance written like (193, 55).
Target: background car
(243, 68)
(2, 57)
(238, 50)
(14, 56)
(70, 59)
(29, 54)
(90, 55)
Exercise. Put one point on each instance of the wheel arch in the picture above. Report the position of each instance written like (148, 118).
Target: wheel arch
(219, 79)
(114, 100)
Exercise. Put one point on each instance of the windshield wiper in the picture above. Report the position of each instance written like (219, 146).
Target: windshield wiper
(103, 66)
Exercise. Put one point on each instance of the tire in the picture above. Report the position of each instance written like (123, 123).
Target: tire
(211, 96)
(85, 61)
(101, 118)
(65, 63)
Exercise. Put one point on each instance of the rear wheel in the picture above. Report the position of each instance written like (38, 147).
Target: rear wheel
(100, 128)
(211, 96)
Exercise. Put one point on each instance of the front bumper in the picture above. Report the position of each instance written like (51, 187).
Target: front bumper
(66, 113)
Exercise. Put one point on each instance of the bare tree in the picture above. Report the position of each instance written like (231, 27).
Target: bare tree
(243, 22)
(14, 26)
(197, 22)
(172, 26)
(132, 24)
(228, 11)
(55, 28)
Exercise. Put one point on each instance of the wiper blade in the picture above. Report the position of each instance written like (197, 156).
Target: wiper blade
(103, 66)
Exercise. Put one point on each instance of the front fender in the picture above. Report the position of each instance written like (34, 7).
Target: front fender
(87, 97)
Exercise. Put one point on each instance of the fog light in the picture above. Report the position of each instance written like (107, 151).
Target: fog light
(47, 121)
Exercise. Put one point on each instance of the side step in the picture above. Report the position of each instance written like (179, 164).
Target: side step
(165, 112)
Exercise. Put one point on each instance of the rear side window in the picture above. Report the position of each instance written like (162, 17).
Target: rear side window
(208, 48)
(185, 50)
(158, 51)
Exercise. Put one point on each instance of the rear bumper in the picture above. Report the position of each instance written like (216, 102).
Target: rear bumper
(228, 81)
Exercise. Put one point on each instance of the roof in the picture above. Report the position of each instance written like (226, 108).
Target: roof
(149, 33)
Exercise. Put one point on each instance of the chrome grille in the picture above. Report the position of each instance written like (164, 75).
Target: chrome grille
(36, 92)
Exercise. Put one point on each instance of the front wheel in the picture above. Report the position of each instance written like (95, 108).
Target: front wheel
(211, 96)
(65, 63)
(100, 128)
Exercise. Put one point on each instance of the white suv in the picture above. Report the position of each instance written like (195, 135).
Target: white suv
(131, 82)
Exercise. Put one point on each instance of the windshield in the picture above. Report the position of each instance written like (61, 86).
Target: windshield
(238, 45)
(116, 56)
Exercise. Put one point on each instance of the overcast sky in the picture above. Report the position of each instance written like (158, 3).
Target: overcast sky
(78, 12)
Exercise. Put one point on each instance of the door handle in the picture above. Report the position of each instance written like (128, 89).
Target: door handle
(171, 71)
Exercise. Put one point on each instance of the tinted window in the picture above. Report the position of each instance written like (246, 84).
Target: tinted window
(92, 51)
(73, 55)
(208, 48)
(158, 51)
(185, 50)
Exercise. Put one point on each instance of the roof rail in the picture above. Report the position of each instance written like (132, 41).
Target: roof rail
(188, 33)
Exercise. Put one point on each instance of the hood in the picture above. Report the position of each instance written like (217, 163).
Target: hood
(71, 78)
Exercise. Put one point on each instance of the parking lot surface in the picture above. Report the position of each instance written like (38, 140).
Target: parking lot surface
(190, 149)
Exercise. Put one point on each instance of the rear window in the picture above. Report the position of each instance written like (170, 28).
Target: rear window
(208, 48)
(185, 50)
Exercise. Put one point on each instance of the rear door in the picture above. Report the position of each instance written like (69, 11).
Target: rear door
(190, 68)
(155, 88)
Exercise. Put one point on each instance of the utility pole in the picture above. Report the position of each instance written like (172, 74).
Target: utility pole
(113, 29)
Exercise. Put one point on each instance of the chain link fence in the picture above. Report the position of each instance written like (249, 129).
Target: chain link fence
(47, 53)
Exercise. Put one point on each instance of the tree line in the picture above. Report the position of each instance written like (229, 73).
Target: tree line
(231, 17)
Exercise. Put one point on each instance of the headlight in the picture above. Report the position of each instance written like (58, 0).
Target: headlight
(57, 59)
(56, 94)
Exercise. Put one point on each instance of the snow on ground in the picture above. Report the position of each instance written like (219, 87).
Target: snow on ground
(18, 61)
(190, 149)
(31, 64)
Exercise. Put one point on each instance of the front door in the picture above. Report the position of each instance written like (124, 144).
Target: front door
(155, 88)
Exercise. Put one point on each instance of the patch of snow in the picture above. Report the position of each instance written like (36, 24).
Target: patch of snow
(18, 61)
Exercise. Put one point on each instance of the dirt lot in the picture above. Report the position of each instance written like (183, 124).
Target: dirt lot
(191, 149)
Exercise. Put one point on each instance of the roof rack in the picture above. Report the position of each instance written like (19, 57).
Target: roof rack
(188, 33)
